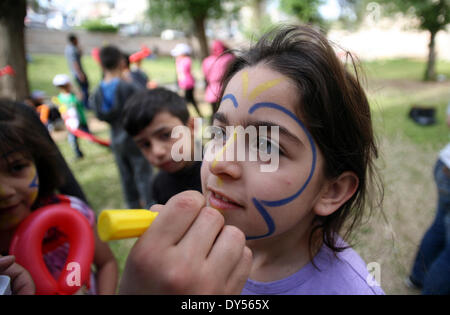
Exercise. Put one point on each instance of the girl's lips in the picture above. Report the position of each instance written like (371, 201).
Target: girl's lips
(216, 201)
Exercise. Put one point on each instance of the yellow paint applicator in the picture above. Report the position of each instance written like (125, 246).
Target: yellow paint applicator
(124, 223)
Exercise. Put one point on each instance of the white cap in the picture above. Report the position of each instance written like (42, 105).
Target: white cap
(61, 79)
(181, 49)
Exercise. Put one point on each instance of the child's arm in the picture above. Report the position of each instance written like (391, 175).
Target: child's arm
(107, 270)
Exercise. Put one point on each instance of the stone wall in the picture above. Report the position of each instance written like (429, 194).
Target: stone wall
(370, 43)
(54, 41)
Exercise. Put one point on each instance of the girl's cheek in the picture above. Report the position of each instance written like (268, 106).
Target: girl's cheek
(274, 186)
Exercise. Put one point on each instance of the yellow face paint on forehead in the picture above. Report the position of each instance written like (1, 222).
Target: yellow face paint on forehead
(262, 87)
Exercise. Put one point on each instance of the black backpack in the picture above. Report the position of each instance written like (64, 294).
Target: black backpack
(424, 116)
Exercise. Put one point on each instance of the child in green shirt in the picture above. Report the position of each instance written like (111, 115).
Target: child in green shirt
(72, 111)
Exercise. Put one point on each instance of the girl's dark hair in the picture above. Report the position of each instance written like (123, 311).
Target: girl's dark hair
(335, 110)
(21, 132)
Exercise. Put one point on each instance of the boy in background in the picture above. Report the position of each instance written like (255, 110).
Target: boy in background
(137, 76)
(71, 109)
(107, 102)
(149, 117)
(73, 55)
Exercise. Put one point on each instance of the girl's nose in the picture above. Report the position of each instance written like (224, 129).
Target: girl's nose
(225, 164)
(226, 169)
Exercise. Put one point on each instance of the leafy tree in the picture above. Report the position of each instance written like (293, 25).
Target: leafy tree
(353, 13)
(260, 21)
(433, 16)
(307, 11)
(197, 12)
(12, 48)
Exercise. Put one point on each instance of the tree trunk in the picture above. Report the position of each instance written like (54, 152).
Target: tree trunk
(430, 71)
(199, 24)
(12, 49)
(257, 7)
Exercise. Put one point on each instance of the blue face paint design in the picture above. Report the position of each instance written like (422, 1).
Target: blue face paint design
(34, 182)
(261, 204)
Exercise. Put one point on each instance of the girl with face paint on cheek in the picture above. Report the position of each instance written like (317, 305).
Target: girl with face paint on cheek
(292, 218)
(19, 188)
(30, 175)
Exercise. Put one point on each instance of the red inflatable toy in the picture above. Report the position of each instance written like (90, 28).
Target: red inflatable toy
(86, 135)
(7, 70)
(143, 53)
(95, 53)
(27, 247)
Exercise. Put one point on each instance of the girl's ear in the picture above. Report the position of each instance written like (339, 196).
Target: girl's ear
(335, 193)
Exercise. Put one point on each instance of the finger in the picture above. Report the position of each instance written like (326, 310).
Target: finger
(200, 238)
(157, 208)
(6, 262)
(175, 219)
(240, 274)
(227, 251)
(21, 281)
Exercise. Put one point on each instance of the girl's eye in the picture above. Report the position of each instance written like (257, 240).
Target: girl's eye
(219, 134)
(266, 146)
(165, 135)
(18, 167)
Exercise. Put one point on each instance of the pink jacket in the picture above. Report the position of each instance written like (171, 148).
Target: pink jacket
(214, 67)
(183, 66)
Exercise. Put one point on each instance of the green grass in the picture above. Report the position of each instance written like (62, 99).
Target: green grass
(394, 87)
(402, 68)
(44, 67)
(394, 120)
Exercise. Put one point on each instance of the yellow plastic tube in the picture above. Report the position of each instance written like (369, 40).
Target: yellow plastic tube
(124, 223)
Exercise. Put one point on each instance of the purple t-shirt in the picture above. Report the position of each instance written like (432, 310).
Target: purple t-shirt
(345, 275)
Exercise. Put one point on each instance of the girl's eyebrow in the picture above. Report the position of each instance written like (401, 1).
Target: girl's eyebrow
(283, 130)
(221, 117)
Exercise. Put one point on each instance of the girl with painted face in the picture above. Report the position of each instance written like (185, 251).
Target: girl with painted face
(29, 177)
(292, 218)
